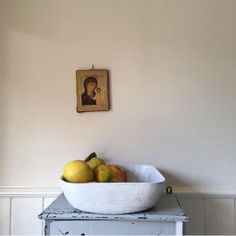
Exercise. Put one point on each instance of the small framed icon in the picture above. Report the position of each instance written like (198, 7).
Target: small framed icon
(92, 87)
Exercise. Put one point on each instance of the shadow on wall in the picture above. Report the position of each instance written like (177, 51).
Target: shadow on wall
(174, 181)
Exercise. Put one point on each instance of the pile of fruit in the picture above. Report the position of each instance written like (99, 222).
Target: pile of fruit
(93, 169)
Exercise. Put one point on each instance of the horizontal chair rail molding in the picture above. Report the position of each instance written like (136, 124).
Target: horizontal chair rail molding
(209, 190)
(28, 191)
(48, 191)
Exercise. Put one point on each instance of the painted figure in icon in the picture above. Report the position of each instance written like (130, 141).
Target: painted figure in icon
(93, 95)
(90, 85)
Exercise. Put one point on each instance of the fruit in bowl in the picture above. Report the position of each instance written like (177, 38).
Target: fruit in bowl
(110, 173)
(142, 191)
(103, 173)
(93, 169)
(95, 162)
(118, 174)
(77, 171)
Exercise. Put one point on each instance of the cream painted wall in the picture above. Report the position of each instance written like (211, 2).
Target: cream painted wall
(173, 70)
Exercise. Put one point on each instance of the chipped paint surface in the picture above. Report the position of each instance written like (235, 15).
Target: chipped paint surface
(166, 209)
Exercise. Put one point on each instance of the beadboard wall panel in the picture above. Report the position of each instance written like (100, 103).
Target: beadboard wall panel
(220, 215)
(5, 215)
(24, 211)
(209, 214)
(194, 207)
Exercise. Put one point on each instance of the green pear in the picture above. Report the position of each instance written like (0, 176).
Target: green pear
(95, 162)
(103, 173)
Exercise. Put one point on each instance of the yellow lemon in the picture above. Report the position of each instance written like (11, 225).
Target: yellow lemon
(77, 171)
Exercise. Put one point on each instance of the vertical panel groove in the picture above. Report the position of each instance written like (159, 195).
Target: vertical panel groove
(204, 215)
(10, 217)
(42, 223)
(234, 216)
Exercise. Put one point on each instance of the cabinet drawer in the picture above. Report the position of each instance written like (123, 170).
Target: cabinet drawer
(100, 227)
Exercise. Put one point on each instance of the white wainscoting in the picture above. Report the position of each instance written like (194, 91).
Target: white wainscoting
(20, 207)
(209, 213)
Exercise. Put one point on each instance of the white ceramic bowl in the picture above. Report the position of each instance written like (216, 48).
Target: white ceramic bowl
(142, 191)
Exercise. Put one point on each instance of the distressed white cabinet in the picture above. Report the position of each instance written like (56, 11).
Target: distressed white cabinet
(166, 217)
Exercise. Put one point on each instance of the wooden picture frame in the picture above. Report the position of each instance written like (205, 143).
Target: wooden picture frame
(92, 90)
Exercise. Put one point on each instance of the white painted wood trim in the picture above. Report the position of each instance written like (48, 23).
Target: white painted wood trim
(209, 190)
(28, 192)
(234, 216)
(179, 228)
(49, 191)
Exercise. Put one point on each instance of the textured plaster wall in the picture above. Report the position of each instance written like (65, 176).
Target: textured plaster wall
(173, 78)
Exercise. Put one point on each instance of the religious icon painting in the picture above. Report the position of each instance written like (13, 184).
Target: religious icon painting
(92, 90)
